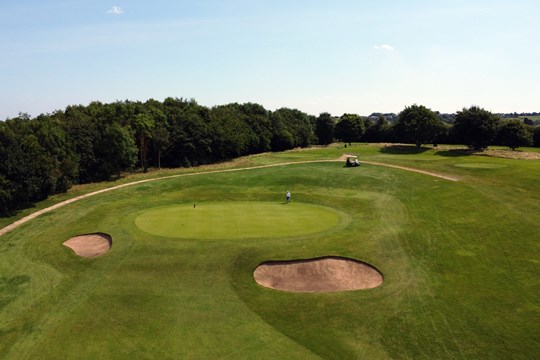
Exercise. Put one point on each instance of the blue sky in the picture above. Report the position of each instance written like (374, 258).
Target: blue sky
(318, 56)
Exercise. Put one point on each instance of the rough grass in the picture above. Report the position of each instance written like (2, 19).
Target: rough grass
(460, 261)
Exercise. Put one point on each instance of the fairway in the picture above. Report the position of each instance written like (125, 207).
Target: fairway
(458, 254)
(480, 165)
(237, 220)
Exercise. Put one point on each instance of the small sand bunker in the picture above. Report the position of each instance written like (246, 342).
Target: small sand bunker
(90, 245)
(325, 274)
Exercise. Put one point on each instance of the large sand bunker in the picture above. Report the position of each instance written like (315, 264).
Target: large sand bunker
(325, 274)
(90, 245)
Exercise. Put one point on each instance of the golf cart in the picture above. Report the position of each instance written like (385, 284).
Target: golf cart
(352, 161)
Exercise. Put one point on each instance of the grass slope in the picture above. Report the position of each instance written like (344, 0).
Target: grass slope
(460, 261)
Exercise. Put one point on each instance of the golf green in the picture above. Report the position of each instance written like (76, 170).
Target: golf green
(237, 220)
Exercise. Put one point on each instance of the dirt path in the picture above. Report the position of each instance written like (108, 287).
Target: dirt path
(441, 176)
(25, 219)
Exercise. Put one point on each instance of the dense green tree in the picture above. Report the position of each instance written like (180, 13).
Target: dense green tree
(444, 135)
(161, 142)
(324, 128)
(94, 142)
(6, 186)
(53, 137)
(378, 131)
(528, 121)
(6, 195)
(258, 119)
(84, 135)
(297, 122)
(536, 136)
(26, 166)
(143, 125)
(349, 128)
(282, 139)
(514, 133)
(160, 133)
(231, 133)
(291, 128)
(92, 129)
(190, 132)
(119, 150)
(417, 125)
(475, 127)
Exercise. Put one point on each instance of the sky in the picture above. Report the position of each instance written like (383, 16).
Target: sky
(336, 56)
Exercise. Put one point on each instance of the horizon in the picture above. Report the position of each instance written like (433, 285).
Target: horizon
(343, 57)
(335, 115)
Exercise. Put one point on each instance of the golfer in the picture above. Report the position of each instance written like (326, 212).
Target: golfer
(288, 196)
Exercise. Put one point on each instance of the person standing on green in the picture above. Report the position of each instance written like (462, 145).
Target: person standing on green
(288, 196)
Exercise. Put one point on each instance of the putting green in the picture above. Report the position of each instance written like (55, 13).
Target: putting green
(237, 220)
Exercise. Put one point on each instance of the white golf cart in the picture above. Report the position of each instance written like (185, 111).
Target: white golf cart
(352, 161)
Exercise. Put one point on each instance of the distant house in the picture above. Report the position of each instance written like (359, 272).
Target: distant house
(390, 117)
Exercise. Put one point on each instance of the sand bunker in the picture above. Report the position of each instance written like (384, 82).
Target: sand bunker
(90, 245)
(318, 275)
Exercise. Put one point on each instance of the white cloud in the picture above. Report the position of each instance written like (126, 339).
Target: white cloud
(384, 47)
(116, 10)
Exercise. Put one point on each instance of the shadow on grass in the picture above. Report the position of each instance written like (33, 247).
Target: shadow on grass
(455, 152)
(11, 288)
(403, 149)
(17, 208)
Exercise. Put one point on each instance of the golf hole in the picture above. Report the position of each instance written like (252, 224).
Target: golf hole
(326, 274)
(90, 245)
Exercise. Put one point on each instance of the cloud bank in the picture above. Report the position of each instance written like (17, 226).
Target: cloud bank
(384, 47)
(116, 10)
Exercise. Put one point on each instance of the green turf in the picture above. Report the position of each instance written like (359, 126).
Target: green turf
(237, 220)
(480, 165)
(460, 263)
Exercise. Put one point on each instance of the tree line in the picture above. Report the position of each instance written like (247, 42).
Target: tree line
(475, 127)
(81, 144)
(49, 153)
